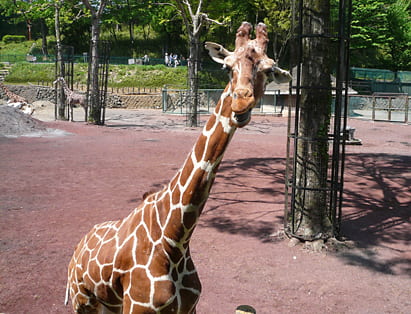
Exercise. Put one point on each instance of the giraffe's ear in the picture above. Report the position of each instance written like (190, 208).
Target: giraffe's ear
(217, 52)
(280, 75)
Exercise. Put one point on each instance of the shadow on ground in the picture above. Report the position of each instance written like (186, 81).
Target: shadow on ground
(376, 210)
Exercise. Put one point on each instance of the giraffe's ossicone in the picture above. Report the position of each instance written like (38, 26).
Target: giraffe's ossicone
(142, 263)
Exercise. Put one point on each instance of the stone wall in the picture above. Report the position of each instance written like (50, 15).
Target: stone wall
(31, 92)
(35, 93)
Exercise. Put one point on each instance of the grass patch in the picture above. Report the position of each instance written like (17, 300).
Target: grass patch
(119, 75)
(15, 48)
(154, 76)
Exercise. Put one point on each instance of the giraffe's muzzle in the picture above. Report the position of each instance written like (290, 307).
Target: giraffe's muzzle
(241, 119)
(243, 103)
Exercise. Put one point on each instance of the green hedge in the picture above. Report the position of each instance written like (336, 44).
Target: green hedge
(13, 39)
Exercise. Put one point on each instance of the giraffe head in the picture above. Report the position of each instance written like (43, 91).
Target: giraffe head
(59, 79)
(248, 66)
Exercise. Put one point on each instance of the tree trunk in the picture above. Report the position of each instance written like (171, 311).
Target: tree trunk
(194, 62)
(95, 105)
(315, 106)
(60, 110)
(131, 32)
(44, 32)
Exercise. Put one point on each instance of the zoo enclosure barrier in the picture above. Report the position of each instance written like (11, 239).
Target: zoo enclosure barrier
(369, 81)
(83, 58)
(127, 90)
(388, 107)
(176, 101)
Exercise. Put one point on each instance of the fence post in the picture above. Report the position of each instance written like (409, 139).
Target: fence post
(406, 108)
(164, 96)
(373, 109)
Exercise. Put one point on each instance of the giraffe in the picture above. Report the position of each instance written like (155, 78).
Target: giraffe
(17, 101)
(72, 98)
(142, 263)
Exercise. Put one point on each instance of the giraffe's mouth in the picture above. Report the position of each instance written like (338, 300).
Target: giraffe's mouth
(241, 119)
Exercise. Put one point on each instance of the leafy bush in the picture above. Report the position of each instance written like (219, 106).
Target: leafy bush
(23, 73)
(13, 38)
(146, 76)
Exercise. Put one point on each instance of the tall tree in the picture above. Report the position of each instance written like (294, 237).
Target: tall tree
(131, 14)
(96, 11)
(278, 19)
(369, 31)
(194, 22)
(315, 104)
(30, 12)
(399, 41)
(59, 53)
(381, 34)
(58, 5)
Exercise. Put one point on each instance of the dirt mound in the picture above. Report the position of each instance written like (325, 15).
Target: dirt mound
(14, 123)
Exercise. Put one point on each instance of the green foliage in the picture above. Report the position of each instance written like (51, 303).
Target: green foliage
(213, 79)
(22, 48)
(399, 42)
(23, 73)
(147, 76)
(381, 30)
(7, 39)
(381, 34)
(119, 75)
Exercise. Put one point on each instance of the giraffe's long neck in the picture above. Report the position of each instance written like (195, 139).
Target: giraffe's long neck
(67, 90)
(196, 176)
(179, 205)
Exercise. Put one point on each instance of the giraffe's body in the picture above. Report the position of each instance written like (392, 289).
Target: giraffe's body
(13, 98)
(17, 101)
(72, 98)
(142, 263)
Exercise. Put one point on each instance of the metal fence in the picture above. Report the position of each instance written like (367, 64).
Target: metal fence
(369, 81)
(177, 101)
(380, 107)
(83, 58)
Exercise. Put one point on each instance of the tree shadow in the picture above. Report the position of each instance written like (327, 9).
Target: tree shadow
(376, 206)
(377, 211)
(250, 188)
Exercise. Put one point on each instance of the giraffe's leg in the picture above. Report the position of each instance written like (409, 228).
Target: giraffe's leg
(88, 304)
(88, 309)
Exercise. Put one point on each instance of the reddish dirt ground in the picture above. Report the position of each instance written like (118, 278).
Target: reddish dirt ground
(54, 189)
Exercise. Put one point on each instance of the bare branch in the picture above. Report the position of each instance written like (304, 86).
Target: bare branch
(188, 5)
(213, 21)
(200, 4)
(184, 16)
(196, 21)
(102, 6)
